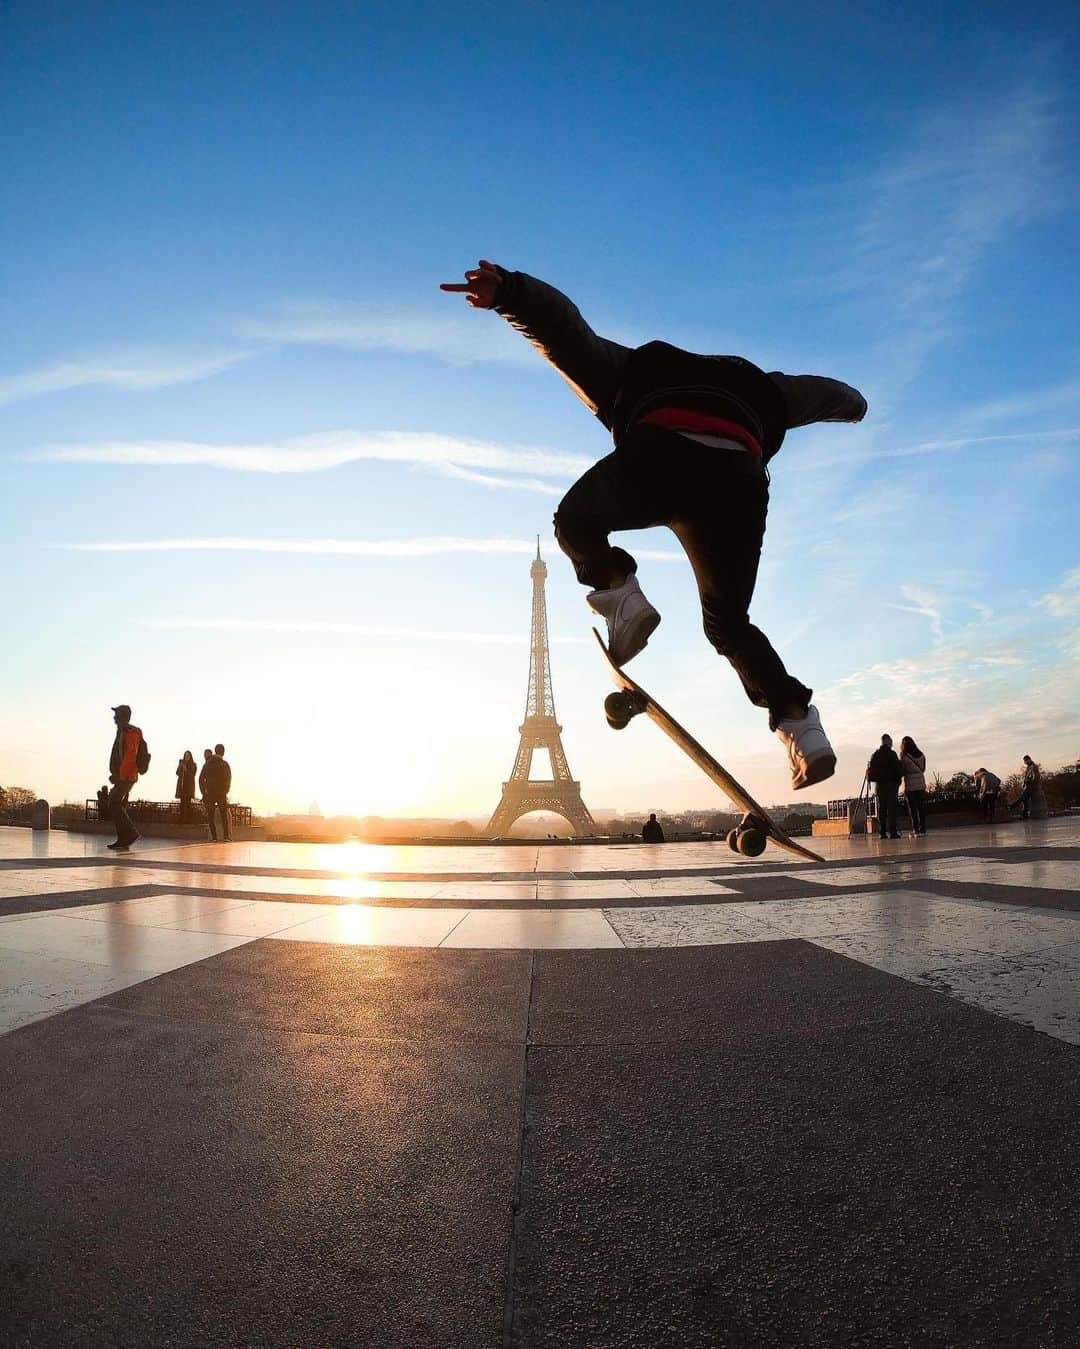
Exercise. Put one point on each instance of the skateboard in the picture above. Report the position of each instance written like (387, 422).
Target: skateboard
(756, 827)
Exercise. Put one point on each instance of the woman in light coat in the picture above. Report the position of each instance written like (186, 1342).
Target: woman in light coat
(913, 767)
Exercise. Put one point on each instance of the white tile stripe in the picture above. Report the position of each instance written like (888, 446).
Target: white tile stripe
(1019, 962)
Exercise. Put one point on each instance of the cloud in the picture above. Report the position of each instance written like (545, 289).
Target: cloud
(1064, 602)
(400, 548)
(924, 603)
(1006, 686)
(448, 334)
(135, 373)
(344, 629)
(320, 452)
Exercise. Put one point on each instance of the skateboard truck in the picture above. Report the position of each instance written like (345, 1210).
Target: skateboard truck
(621, 706)
(749, 836)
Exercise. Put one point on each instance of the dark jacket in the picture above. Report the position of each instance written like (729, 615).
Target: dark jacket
(621, 384)
(185, 780)
(215, 780)
(652, 832)
(884, 768)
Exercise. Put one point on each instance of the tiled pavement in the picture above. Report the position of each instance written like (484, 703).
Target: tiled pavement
(380, 1055)
(76, 924)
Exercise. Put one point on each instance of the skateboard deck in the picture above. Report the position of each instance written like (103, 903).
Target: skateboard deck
(712, 768)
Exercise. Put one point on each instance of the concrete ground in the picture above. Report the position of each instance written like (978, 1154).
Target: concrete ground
(269, 1094)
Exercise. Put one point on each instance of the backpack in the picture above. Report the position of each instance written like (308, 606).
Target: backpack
(142, 755)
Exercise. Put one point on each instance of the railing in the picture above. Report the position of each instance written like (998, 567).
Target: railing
(169, 812)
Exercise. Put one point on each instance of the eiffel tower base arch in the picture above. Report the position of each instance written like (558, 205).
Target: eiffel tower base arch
(515, 803)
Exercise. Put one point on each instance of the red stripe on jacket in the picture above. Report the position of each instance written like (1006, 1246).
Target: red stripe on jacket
(702, 423)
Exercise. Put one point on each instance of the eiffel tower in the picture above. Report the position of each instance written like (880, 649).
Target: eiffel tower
(560, 793)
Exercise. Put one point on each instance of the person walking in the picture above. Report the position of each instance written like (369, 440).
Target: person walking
(913, 768)
(693, 435)
(218, 779)
(884, 772)
(185, 784)
(129, 757)
(988, 785)
(652, 831)
(1028, 787)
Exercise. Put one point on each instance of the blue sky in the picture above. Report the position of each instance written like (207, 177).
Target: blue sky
(260, 479)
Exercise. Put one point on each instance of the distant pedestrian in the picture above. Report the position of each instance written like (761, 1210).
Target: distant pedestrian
(217, 779)
(652, 831)
(988, 785)
(207, 755)
(185, 784)
(884, 772)
(130, 756)
(1029, 786)
(913, 767)
(103, 802)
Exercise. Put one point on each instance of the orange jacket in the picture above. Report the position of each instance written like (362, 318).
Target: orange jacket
(123, 765)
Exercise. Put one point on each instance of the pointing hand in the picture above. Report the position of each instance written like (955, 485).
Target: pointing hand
(479, 287)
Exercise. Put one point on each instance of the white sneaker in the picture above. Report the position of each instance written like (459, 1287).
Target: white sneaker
(809, 752)
(631, 619)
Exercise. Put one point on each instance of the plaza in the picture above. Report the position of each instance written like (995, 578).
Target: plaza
(284, 1094)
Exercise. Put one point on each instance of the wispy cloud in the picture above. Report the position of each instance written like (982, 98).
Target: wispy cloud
(448, 333)
(400, 548)
(133, 372)
(1005, 686)
(924, 603)
(347, 630)
(317, 453)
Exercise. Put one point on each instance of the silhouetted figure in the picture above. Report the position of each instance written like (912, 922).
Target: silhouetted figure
(216, 778)
(207, 755)
(988, 785)
(185, 784)
(913, 768)
(652, 831)
(692, 435)
(103, 802)
(885, 773)
(1029, 786)
(130, 757)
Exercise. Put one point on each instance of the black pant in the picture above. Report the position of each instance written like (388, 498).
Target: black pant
(218, 803)
(715, 502)
(989, 803)
(916, 804)
(1023, 800)
(125, 829)
(887, 797)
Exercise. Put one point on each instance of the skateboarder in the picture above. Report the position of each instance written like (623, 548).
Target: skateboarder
(693, 435)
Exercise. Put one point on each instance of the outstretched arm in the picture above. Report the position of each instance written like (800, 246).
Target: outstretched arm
(813, 398)
(591, 365)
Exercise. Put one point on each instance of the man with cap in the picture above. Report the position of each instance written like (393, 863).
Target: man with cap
(123, 774)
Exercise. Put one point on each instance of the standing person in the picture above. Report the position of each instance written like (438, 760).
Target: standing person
(1029, 786)
(207, 755)
(988, 784)
(130, 756)
(884, 772)
(652, 831)
(913, 768)
(693, 435)
(218, 777)
(185, 784)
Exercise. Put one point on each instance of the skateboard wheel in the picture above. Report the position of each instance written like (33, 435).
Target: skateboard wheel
(733, 840)
(752, 842)
(618, 708)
